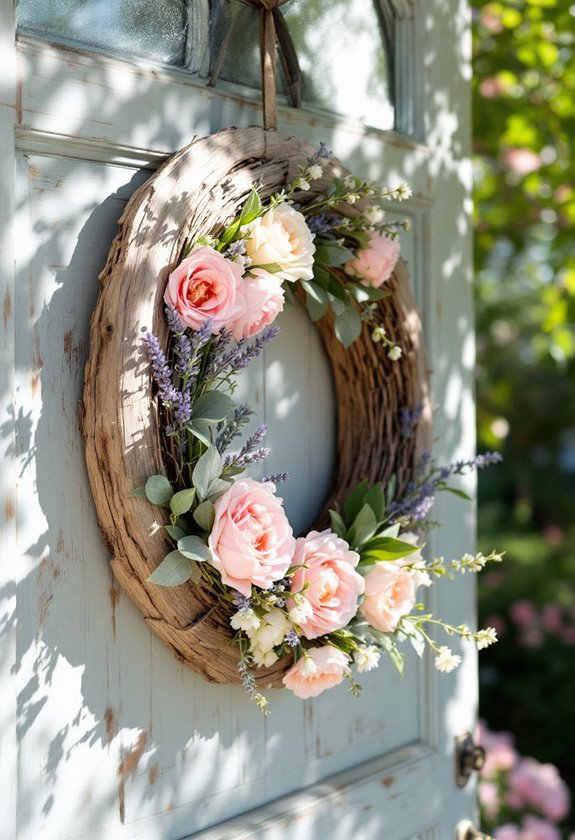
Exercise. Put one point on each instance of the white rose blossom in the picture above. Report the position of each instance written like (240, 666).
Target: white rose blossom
(281, 236)
(272, 631)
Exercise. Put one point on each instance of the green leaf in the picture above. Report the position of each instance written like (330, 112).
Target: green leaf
(382, 549)
(174, 570)
(390, 492)
(392, 531)
(457, 492)
(229, 234)
(139, 492)
(321, 276)
(182, 501)
(338, 306)
(175, 532)
(217, 487)
(314, 291)
(316, 310)
(251, 209)
(337, 524)
(376, 500)
(332, 255)
(208, 468)
(204, 515)
(347, 326)
(194, 548)
(201, 430)
(337, 289)
(363, 528)
(364, 293)
(213, 406)
(354, 501)
(159, 490)
(271, 268)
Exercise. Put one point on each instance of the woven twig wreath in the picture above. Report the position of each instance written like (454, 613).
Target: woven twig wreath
(193, 194)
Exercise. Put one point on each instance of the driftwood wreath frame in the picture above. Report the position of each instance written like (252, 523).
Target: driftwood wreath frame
(195, 193)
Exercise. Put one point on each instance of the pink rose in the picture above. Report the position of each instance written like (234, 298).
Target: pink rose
(389, 595)
(264, 298)
(319, 669)
(281, 236)
(333, 585)
(374, 264)
(206, 286)
(537, 829)
(251, 540)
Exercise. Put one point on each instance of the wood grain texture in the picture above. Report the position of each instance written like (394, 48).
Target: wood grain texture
(194, 193)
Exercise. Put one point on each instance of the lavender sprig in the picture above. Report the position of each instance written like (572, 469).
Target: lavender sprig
(233, 428)
(276, 478)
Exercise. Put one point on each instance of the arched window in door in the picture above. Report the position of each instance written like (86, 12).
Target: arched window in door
(346, 57)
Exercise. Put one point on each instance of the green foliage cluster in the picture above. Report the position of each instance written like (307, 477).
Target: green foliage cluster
(524, 109)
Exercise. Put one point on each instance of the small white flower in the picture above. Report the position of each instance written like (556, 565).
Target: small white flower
(272, 630)
(394, 353)
(349, 182)
(301, 611)
(302, 184)
(406, 224)
(309, 666)
(351, 198)
(245, 619)
(486, 637)
(374, 215)
(404, 191)
(263, 659)
(314, 172)
(378, 334)
(366, 658)
(446, 661)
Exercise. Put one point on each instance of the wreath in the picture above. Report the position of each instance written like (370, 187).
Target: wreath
(208, 251)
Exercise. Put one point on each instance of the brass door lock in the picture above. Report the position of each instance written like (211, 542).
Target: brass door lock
(469, 756)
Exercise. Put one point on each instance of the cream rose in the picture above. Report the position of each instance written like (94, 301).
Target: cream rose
(281, 236)
(373, 265)
(333, 585)
(319, 669)
(206, 286)
(251, 539)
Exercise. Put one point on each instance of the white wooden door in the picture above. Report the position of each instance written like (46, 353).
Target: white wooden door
(104, 735)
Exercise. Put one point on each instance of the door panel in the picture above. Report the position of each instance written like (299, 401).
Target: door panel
(115, 739)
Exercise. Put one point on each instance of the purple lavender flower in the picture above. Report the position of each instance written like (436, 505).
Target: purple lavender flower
(276, 478)
(292, 638)
(409, 420)
(161, 371)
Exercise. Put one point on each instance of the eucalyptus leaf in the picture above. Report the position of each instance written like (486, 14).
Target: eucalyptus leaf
(217, 487)
(213, 406)
(338, 306)
(194, 548)
(175, 532)
(174, 570)
(139, 492)
(158, 490)
(333, 255)
(182, 501)
(204, 515)
(390, 492)
(347, 326)
(336, 289)
(314, 291)
(201, 430)
(316, 310)
(208, 468)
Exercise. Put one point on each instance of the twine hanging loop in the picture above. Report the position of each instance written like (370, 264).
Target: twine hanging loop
(268, 37)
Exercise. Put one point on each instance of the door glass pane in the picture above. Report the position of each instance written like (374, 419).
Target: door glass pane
(152, 29)
(339, 46)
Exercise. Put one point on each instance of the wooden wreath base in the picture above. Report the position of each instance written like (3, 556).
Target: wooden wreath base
(196, 192)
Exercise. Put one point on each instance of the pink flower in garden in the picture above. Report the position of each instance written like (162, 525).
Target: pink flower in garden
(523, 613)
(205, 286)
(264, 300)
(281, 236)
(568, 636)
(534, 828)
(390, 591)
(552, 618)
(522, 161)
(373, 265)
(333, 585)
(541, 786)
(488, 794)
(319, 669)
(509, 831)
(251, 540)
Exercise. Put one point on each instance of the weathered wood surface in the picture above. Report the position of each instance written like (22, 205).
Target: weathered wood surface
(193, 194)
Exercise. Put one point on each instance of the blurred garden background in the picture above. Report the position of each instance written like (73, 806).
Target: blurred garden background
(524, 162)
